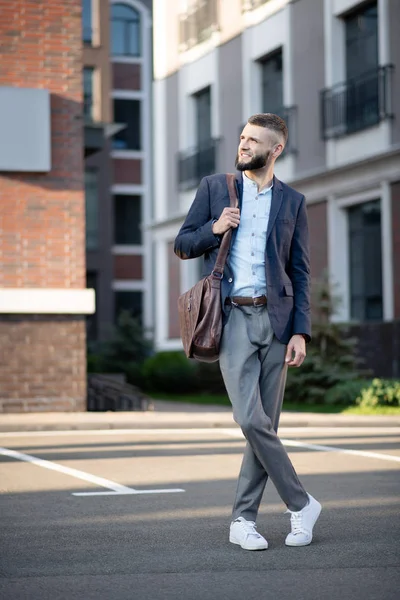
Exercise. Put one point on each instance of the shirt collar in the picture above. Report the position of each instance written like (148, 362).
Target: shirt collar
(249, 184)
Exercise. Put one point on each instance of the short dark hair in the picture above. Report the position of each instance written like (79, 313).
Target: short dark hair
(272, 122)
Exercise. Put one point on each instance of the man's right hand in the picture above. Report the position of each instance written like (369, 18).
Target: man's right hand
(230, 217)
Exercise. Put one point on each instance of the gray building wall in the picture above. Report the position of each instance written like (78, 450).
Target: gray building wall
(230, 102)
(307, 31)
(394, 40)
(172, 143)
(100, 261)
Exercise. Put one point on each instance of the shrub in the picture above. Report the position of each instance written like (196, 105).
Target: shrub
(124, 351)
(170, 372)
(381, 392)
(346, 393)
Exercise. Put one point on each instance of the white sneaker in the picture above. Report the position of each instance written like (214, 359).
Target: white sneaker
(302, 523)
(245, 534)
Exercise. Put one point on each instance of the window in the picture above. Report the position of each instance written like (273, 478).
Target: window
(130, 301)
(365, 261)
(125, 31)
(127, 112)
(92, 209)
(127, 220)
(91, 320)
(87, 30)
(362, 100)
(272, 83)
(203, 116)
(88, 93)
(361, 41)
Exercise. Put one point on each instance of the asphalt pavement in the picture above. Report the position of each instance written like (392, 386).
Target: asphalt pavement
(143, 513)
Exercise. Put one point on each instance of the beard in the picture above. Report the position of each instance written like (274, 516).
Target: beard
(258, 161)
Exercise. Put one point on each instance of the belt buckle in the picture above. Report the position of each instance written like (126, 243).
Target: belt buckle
(255, 301)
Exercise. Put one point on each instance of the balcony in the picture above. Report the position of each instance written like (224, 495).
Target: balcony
(248, 5)
(196, 163)
(356, 104)
(198, 23)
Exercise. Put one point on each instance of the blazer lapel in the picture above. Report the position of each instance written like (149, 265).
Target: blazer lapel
(239, 187)
(276, 203)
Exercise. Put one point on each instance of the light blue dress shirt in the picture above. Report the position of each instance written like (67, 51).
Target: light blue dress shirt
(247, 258)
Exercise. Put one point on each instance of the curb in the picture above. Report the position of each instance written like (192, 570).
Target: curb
(175, 420)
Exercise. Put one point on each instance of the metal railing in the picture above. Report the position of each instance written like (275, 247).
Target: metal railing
(357, 103)
(252, 4)
(198, 23)
(196, 163)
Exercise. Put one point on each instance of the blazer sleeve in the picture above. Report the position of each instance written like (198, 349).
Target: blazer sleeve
(300, 273)
(196, 236)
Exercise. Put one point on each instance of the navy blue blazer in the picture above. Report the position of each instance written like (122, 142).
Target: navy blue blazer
(287, 263)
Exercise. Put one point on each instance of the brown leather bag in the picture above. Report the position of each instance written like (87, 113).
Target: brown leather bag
(200, 309)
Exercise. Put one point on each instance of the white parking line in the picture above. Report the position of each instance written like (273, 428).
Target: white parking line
(116, 488)
(317, 447)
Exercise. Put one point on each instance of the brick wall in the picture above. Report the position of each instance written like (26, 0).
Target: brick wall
(42, 229)
(42, 363)
(127, 170)
(126, 77)
(128, 266)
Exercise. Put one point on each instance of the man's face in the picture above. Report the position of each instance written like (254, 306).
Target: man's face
(255, 148)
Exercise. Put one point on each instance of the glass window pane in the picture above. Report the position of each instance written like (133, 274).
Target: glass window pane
(127, 219)
(130, 301)
(127, 112)
(88, 92)
(92, 209)
(117, 38)
(272, 83)
(362, 41)
(203, 116)
(87, 21)
(365, 261)
(125, 31)
(91, 320)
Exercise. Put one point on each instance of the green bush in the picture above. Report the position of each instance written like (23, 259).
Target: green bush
(170, 372)
(381, 392)
(123, 352)
(346, 393)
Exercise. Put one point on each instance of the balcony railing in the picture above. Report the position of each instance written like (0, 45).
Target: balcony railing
(196, 163)
(356, 104)
(198, 23)
(252, 4)
(289, 114)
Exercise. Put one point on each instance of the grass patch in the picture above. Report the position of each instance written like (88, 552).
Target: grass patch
(223, 400)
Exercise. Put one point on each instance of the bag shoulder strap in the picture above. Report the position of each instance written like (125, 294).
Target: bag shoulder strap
(219, 266)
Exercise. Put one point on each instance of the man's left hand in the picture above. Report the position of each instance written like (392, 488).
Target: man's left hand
(296, 346)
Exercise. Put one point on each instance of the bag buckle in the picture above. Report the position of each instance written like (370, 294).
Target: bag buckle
(217, 275)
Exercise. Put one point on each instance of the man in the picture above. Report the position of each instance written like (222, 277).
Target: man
(266, 301)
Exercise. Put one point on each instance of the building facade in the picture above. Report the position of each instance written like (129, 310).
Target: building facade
(117, 59)
(43, 295)
(75, 204)
(331, 68)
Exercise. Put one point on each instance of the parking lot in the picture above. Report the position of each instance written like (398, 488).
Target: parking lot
(145, 514)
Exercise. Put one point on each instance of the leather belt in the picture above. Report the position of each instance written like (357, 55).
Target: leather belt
(247, 301)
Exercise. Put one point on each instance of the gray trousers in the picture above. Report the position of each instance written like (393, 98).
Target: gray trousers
(252, 363)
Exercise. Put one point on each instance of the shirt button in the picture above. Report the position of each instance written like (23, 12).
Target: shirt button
(252, 253)
(254, 216)
(252, 234)
(230, 280)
